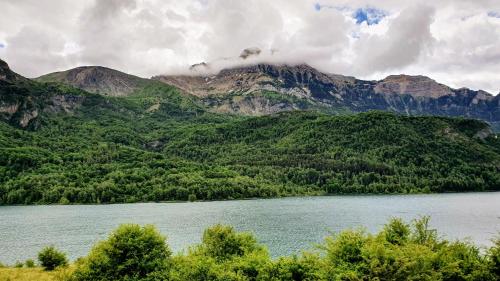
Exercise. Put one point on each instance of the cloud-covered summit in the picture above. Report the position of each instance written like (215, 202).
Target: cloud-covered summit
(453, 41)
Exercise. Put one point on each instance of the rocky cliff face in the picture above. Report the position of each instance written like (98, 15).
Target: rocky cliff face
(232, 90)
(7, 75)
(300, 81)
(415, 86)
(97, 79)
(23, 101)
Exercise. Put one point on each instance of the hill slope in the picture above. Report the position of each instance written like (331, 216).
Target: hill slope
(28, 103)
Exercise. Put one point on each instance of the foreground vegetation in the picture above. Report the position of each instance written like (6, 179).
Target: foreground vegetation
(398, 252)
(158, 145)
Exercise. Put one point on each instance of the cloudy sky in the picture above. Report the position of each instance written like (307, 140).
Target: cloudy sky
(456, 42)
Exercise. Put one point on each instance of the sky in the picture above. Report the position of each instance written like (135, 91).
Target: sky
(455, 42)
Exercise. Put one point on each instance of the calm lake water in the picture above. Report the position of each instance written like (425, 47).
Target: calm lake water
(286, 225)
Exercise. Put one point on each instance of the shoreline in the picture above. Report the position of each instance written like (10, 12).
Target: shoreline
(259, 198)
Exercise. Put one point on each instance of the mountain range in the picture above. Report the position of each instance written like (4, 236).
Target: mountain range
(263, 89)
(97, 135)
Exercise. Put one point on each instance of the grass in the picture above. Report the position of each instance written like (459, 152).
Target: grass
(31, 274)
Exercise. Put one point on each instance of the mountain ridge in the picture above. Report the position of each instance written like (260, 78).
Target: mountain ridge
(303, 68)
(234, 90)
(262, 89)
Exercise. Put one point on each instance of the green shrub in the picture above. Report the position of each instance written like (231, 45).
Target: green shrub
(222, 242)
(307, 267)
(130, 253)
(494, 258)
(18, 264)
(223, 254)
(421, 233)
(396, 231)
(50, 258)
(400, 251)
(403, 252)
(29, 263)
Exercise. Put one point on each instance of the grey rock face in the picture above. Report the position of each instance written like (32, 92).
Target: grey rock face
(22, 109)
(412, 95)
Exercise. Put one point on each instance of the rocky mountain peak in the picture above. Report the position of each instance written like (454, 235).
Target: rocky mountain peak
(416, 86)
(299, 80)
(270, 68)
(97, 79)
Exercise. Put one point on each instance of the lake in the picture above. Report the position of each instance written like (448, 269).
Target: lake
(285, 225)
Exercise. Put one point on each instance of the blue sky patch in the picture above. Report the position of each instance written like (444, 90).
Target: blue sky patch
(494, 14)
(318, 7)
(369, 15)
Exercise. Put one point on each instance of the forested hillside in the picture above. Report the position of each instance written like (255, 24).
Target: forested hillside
(61, 145)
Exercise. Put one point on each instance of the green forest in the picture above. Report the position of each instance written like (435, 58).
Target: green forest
(160, 145)
(400, 251)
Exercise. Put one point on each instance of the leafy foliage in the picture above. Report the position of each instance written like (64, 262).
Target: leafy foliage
(50, 258)
(349, 255)
(29, 263)
(400, 251)
(494, 255)
(223, 255)
(130, 253)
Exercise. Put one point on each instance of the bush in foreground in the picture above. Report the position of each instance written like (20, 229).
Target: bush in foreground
(29, 263)
(400, 251)
(130, 253)
(50, 258)
(223, 254)
(494, 255)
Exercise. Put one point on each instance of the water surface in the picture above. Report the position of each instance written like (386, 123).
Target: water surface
(286, 225)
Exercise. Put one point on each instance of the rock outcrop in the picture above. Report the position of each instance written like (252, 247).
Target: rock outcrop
(23, 101)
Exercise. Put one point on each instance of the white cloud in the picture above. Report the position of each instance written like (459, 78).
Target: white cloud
(407, 38)
(456, 42)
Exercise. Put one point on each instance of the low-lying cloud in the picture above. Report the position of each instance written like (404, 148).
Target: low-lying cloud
(456, 42)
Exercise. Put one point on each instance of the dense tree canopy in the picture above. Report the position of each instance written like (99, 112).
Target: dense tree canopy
(159, 145)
